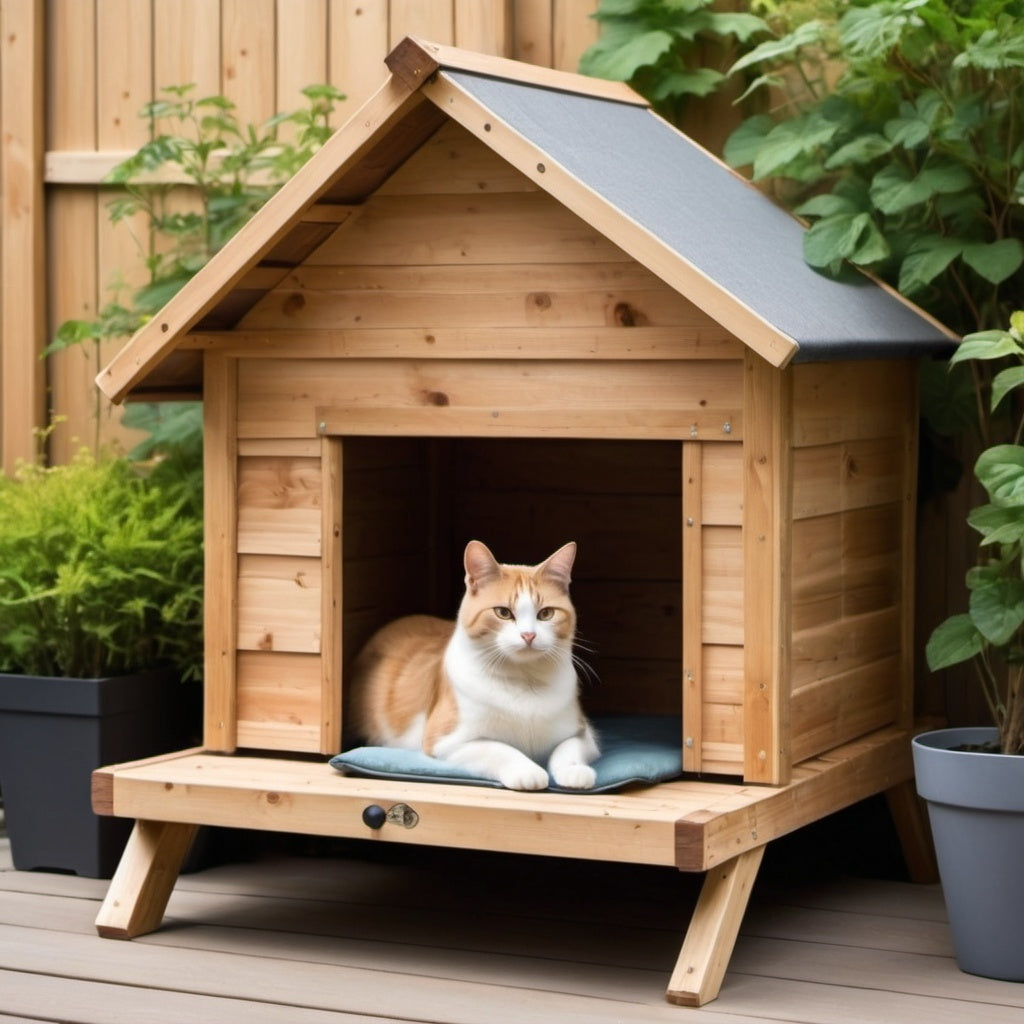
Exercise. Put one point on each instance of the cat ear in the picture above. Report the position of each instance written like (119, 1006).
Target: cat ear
(558, 567)
(481, 566)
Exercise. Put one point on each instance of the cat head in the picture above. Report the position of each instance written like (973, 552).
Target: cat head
(522, 612)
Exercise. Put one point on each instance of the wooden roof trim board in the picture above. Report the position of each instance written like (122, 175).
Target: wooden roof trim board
(415, 60)
(227, 267)
(761, 336)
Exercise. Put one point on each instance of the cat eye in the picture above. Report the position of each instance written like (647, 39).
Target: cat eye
(545, 613)
(503, 613)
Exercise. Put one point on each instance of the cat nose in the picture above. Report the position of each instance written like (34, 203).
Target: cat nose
(528, 638)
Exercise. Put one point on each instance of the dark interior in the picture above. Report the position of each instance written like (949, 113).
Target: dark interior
(411, 504)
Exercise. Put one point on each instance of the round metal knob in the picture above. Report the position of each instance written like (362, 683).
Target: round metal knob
(374, 816)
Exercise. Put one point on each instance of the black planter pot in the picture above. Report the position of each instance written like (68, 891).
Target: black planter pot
(53, 733)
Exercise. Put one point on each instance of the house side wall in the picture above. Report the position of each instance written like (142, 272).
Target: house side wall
(853, 465)
(460, 303)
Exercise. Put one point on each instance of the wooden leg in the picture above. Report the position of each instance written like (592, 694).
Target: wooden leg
(142, 884)
(910, 816)
(713, 930)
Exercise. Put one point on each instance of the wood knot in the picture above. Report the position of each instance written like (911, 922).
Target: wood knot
(541, 300)
(295, 303)
(625, 315)
(436, 398)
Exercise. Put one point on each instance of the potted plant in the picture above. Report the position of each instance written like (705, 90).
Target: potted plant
(973, 778)
(100, 633)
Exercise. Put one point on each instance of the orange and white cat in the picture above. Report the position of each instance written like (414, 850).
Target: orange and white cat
(496, 691)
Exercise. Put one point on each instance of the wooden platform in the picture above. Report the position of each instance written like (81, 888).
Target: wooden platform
(716, 828)
(414, 934)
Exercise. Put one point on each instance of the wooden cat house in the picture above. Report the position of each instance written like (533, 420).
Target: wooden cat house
(512, 303)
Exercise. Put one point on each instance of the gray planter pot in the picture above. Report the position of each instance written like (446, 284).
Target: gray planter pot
(976, 808)
(53, 733)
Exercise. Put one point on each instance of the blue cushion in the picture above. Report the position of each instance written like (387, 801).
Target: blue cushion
(634, 749)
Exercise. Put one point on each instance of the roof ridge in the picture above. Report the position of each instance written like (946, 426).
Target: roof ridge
(414, 60)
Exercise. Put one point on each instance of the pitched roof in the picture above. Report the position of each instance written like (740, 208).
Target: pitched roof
(596, 147)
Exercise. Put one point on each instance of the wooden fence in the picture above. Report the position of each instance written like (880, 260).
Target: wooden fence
(73, 78)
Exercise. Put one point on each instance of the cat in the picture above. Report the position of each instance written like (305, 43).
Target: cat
(496, 691)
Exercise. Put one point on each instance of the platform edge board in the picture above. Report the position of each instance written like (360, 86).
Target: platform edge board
(821, 785)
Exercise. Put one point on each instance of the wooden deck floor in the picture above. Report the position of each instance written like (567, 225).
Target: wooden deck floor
(361, 933)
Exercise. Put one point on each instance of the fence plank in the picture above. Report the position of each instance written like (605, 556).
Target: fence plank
(247, 51)
(573, 30)
(72, 215)
(532, 31)
(124, 84)
(434, 21)
(484, 25)
(22, 253)
(358, 44)
(301, 50)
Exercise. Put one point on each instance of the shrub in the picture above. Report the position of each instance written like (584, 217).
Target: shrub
(101, 569)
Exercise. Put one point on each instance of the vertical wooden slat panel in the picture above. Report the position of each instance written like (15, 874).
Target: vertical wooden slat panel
(124, 84)
(905, 707)
(358, 45)
(301, 50)
(220, 500)
(72, 221)
(434, 21)
(186, 44)
(766, 747)
(484, 25)
(693, 623)
(22, 235)
(331, 595)
(573, 30)
(248, 41)
(532, 41)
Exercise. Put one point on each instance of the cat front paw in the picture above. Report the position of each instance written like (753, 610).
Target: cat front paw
(575, 776)
(527, 776)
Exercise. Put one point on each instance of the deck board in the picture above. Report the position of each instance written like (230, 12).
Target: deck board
(362, 934)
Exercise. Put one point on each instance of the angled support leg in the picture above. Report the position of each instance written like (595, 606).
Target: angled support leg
(142, 884)
(910, 816)
(713, 930)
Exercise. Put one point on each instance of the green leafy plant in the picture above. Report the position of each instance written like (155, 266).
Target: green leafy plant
(101, 568)
(659, 47)
(991, 632)
(899, 133)
(230, 170)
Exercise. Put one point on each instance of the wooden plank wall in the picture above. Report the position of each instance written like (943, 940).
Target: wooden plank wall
(92, 64)
(461, 294)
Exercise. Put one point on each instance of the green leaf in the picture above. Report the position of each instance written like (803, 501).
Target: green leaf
(1000, 470)
(861, 150)
(738, 24)
(987, 345)
(995, 261)
(927, 259)
(995, 49)
(844, 236)
(954, 641)
(621, 60)
(997, 609)
(997, 524)
(894, 190)
(789, 141)
(742, 146)
(1004, 382)
(828, 204)
(699, 82)
(807, 34)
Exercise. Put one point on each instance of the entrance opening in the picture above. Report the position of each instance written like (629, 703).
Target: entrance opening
(411, 504)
